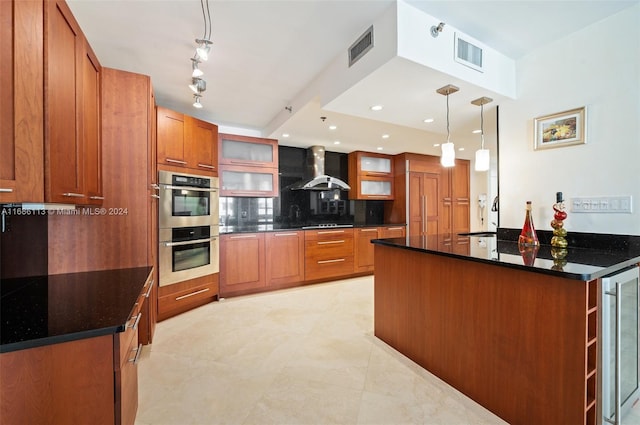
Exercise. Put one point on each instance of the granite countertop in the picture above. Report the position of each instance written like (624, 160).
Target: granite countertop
(277, 227)
(606, 255)
(43, 310)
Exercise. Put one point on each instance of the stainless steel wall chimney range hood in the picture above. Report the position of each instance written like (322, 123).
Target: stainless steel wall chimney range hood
(317, 179)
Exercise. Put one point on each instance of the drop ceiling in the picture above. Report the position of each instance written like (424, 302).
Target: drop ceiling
(266, 52)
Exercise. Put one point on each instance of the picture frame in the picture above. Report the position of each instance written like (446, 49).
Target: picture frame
(565, 128)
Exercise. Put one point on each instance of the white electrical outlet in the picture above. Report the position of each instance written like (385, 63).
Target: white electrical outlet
(601, 204)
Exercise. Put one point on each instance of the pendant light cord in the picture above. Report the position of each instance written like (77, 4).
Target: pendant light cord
(482, 126)
(448, 117)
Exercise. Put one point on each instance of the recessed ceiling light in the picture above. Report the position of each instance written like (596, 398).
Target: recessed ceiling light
(379, 148)
(476, 131)
(285, 134)
(461, 149)
(332, 127)
(337, 142)
(385, 136)
(435, 145)
(376, 108)
(428, 120)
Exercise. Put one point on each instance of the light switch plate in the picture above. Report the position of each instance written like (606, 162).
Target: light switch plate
(601, 204)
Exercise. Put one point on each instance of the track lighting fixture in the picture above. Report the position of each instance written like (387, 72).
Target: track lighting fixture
(448, 157)
(198, 85)
(436, 30)
(482, 155)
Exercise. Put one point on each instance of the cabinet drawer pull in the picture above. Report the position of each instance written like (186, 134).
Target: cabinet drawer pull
(368, 230)
(155, 196)
(73, 195)
(175, 161)
(191, 294)
(249, 192)
(97, 197)
(285, 234)
(244, 237)
(135, 358)
(338, 260)
(149, 290)
(155, 186)
(326, 232)
(210, 167)
(330, 242)
(5, 190)
(135, 323)
(394, 228)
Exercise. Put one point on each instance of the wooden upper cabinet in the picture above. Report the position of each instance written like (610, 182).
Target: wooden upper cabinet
(186, 142)
(72, 111)
(248, 166)
(371, 176)
(92, 125)
(248, 151)
(21, 102)
(203, 154)
(171, 138)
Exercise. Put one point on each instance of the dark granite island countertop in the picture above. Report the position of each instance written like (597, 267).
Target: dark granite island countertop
(580, 263)
(43, 310)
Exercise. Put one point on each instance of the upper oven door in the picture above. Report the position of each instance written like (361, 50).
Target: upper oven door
(187, 200)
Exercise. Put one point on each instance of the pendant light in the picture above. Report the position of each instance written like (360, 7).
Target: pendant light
(482, 154)
(448, 157)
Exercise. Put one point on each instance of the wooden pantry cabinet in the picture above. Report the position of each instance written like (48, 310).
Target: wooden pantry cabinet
(51, 120)
(186, 142)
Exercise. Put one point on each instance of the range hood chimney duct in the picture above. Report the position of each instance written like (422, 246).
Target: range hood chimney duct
(316, 178)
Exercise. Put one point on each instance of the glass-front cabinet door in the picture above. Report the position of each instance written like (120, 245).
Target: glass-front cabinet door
(248, 151)
(371, 176)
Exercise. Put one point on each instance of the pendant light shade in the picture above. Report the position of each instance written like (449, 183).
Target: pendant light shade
(483, 159)
(448, 156)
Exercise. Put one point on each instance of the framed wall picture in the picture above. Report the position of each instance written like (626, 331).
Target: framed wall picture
(560, 129)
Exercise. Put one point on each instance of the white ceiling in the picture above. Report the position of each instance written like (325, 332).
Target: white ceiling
(265, 52)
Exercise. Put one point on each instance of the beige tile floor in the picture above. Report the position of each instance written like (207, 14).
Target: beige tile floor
(299, 356)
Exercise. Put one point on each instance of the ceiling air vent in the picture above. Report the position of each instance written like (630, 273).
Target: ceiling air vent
(362, 45)
(467, 54)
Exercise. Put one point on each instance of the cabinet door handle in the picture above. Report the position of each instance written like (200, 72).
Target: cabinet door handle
(97, 197)
(5, 190)
(248, 192)
(210, 167)
(135, 358)
(155, 196)
(73, 195)
(175, 161)
(285, 234)
(246, 162)
(330, 242)
(191, 294)
(377, 196)
(155, 186)
(243, 237)
(338, 260)
(376, 173)
(135, 322)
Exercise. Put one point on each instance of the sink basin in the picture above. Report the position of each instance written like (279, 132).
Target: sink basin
(480, 234)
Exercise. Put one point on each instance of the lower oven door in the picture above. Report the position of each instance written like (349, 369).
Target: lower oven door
(187, 253)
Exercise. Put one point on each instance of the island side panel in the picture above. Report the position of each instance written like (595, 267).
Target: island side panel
(512, 340)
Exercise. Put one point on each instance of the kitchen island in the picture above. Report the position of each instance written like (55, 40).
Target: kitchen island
(69, 346)
(518, 334)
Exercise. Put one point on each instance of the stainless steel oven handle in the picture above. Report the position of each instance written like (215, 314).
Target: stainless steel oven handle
(198, 189)
(190, 242)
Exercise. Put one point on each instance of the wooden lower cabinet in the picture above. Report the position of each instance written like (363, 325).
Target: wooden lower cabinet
(284, 257)
(242, 263)
(328, 253)
(183, 296)
(364, 248)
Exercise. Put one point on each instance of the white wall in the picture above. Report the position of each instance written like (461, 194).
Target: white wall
(597, 67)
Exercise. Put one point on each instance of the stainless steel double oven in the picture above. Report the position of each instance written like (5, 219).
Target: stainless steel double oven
(188, 227)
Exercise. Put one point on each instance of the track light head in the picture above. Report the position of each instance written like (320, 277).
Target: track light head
(198, 85)
(203, 49)
(436, 30)
(196, 71)
(196, 103)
